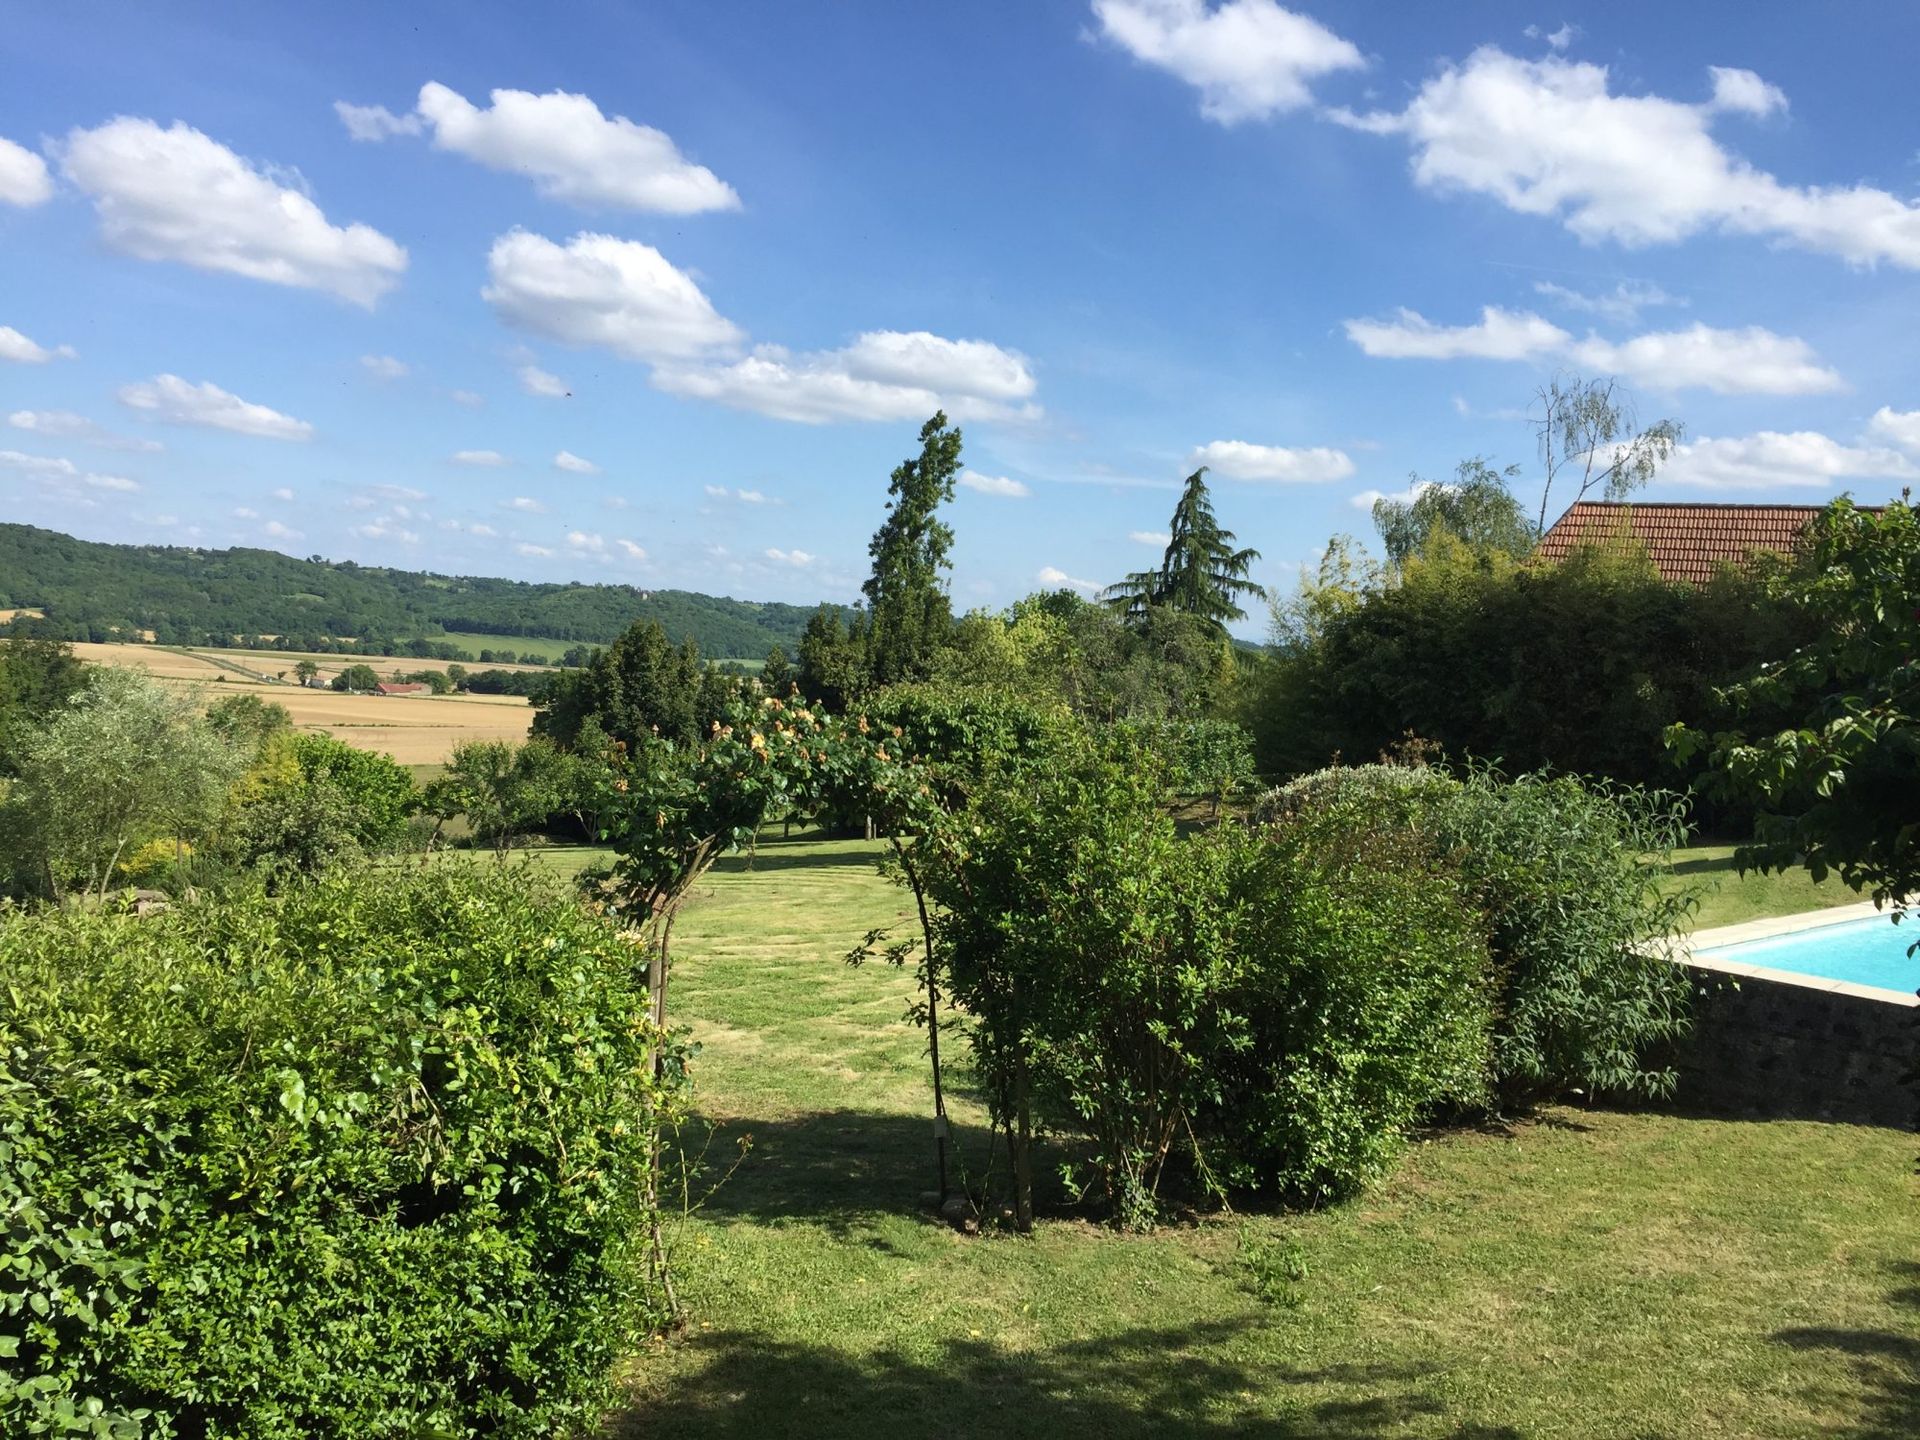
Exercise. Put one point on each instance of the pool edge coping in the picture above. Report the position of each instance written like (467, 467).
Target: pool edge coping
(1690, 950)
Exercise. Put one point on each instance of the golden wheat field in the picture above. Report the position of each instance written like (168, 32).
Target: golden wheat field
(413, 729)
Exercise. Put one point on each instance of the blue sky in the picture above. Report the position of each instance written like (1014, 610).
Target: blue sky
(660, 293)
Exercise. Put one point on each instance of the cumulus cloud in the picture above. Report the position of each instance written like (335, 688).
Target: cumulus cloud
(175, 194)
(1367, 499)
(274, 530)
(1055, 578)
(1238, 460)
(1159, 539)
(66, 425)
(18, 348)
(586, 543)
(574, 465)
(282, 493)
(742, 496)
(994, 485)
(1901, 427)
(1748, 361)
(599, 290)
(1771, 460)
(548, 386)
(61, 475)
(882, 375)
(387, 528)
(526, 504)
(486, 459)
(631, 550)
(1554, 39)
(23, 176)
(533, 552)
(1549, 137)
(1249, 59)
(384, 367)
(180, 402)
(563, 143)
(799, 559)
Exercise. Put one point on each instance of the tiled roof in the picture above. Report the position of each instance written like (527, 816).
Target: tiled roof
(1685, 542)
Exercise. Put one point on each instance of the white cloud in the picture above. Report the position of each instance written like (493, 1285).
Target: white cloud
(384, 367)
(533, 551)
(1238, 460)
(17, 347)
(177, 195)
(1366, 499)
(1159, 539)
(525, 504)
(599, 290)
(1749, 361)
(631, 550)
(1548, 137)
(243, 512)
(573, 464)
(1902, 427)
(617, 502)
(1623, 303)
(1056, 578)
(589, 544)
(548, 386)
(568, 148)
(486, 459)
(23, 176)
(283, 493)
(61, 474)
(180, 402)
(799, 559)
(275, 530)
(66, 425)
(386, 529)
(1249, 59)
(1500, 335)
(467, 398)
(882, 375)
(1770, 460)
(376, 122)
(994, 485)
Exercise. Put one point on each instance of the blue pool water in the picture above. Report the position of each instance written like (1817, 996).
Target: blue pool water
(1871, 951)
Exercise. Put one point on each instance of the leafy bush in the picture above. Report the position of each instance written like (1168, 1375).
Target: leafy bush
(1566, 874)
(1211, 759)
(311, 803)
(364, 1160)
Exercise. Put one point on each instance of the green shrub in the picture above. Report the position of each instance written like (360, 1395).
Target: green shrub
(366, 1159)
(1566, 874)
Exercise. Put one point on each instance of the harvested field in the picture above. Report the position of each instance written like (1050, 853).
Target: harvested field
(413, 729)
(6, 615)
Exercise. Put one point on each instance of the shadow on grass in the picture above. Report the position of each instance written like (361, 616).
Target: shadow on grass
(1181, 1383)
(1887, 1363)
(778, 856)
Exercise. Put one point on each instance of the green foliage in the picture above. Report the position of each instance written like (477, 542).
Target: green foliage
(248, 721)
(1567, 877)
(124, 762)
(1577, 667)
(1588, 436)
(907, 592)
(37, 678)
(1210, 759)
(640, 686)
(312, 803)
(1838, 788)
(1201, 573)
(832, 668)
(1476, 508)
(358, 679)
(367, 1160)
(219, 597)
(505, 790)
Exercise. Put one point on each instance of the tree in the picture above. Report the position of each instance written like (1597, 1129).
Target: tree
(248, 721)
(830, 658)
(127, 761)
(37, 677)
(776, 675)
(357, 679)
(642, 684)
(503, 789)
(305, 671)
(1839, 787)
(1586, 429)
(1201, 573)
(906, 594)
(1477, 508)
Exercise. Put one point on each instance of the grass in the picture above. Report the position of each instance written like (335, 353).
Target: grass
(1728, 898)
(473, 644)
(1585, 1273)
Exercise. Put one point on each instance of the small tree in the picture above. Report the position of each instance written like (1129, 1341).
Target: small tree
(1587, 433)
(906, 593)
(1476, 508)
(357, 679)
(305, 672)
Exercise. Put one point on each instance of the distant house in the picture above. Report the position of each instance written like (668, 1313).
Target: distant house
(1686, 542)
(410, 687)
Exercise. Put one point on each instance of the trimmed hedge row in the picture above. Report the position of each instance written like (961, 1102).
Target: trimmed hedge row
(366, 1159)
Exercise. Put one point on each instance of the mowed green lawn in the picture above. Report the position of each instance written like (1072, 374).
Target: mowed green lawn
(1728, 898)
(1583, 1273)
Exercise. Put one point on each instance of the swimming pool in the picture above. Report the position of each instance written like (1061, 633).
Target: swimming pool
(1869, 951)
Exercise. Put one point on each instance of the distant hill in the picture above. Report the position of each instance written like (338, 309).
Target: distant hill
(189, 596)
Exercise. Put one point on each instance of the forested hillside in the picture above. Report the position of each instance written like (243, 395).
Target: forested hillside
(188, 596)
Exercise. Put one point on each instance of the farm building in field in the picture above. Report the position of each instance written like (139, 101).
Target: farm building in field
(409, 687)
(1686, 541)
